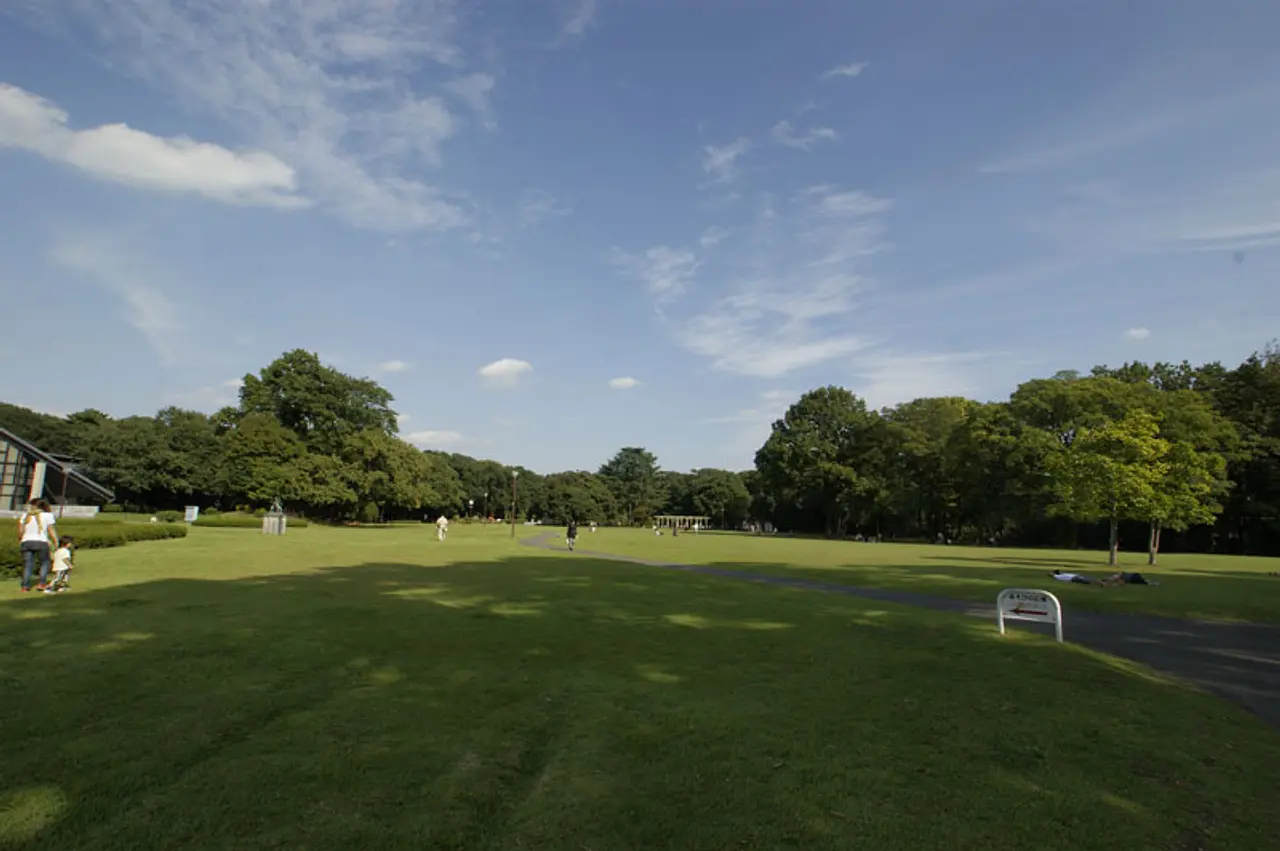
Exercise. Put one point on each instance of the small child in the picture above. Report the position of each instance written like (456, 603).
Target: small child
(62, 564)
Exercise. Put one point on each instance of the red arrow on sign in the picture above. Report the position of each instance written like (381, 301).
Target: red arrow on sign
(1021, 611)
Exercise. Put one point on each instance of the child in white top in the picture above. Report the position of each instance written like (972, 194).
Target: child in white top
(442, 527)
(62, 564)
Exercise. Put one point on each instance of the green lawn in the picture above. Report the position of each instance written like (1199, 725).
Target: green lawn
(373, 688)
(1192, 586)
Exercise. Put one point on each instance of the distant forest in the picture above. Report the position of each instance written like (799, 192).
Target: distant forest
(1143, 457)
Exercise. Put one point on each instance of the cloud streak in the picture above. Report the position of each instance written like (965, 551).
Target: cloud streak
(784, 134)
(120, 154)
(848, 70)
(351, 94)
(146, 306)
(666, 272)
(720, 162)
(582, 18)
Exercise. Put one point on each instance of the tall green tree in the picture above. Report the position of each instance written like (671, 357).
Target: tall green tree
(720, 495)
(632, 477)
(319, 404)
(1112, 472)
(827, 457)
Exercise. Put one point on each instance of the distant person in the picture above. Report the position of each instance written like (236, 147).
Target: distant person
(442, 527)
(1123, 578)
(1077, 578)
(62, 564)
(593, 526)
(571, 535)
(36, 533)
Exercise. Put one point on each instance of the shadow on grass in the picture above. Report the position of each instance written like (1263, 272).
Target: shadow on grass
(561, 703)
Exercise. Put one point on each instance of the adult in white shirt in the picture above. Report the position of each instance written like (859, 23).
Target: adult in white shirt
(36, 533)
(442, 527)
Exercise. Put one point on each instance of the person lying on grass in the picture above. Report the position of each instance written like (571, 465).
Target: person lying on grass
(1120, 578)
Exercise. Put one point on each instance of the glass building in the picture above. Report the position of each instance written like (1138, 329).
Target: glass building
(28, 473)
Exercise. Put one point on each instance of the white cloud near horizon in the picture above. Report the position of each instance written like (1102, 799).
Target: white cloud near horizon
(350, 94)
(784, 134)
(393, 366)
(441, 439)
(624, 383)
(849, 69)
(1137, 333)
(121, 154)
(504, 372)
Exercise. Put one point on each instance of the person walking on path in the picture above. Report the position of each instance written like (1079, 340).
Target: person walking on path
(571, 535)
(36, 533)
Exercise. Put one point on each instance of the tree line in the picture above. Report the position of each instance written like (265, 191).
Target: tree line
(1169, 456)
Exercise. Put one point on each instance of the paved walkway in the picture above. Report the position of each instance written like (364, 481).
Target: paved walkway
(1240, 662)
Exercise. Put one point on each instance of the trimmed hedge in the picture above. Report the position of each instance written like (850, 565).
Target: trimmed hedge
(242, 521)
(112, 508)
(91, 537)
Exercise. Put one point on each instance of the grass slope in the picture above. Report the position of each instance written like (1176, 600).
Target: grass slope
(341, 689)
(1192, 586)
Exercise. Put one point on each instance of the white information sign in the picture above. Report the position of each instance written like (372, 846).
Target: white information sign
(193, 513)
(1029, 604)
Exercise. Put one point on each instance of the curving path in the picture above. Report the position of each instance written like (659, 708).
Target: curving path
(1240, 662)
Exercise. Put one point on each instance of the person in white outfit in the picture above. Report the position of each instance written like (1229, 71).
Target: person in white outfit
(442, 527)
(62, 564)
(36, 533)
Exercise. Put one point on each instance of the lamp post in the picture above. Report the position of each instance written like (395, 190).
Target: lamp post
(471, 505)
(515, 474)
(486, 506)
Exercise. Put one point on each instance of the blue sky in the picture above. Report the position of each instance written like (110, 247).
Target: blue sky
(556, 227)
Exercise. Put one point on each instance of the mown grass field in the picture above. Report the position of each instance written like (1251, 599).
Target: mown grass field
(1191, 586)
(373, 688)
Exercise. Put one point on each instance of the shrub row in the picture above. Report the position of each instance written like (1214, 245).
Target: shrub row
(90, 537)
(242, 521)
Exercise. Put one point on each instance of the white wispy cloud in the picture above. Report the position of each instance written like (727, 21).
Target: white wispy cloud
(720, 162)
(582, 16)
(784, 134)
(884, 379)
(666, 272)
(505, 372)
(351, 94)
(791, 308)
(1137, 333)
(752, 425)
(625, 383)
(214, 396)
(122, 154)
(475, 91)
(849, 69)
(536, 206)
(393, 366)
(137, 284)
(443, 439)
(713, 236)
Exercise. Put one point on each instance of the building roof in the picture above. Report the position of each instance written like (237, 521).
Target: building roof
(61, 465)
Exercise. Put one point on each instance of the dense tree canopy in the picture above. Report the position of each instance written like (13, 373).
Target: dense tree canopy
(1141, 456)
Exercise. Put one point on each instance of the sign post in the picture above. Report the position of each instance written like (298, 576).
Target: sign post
(1028, 604)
